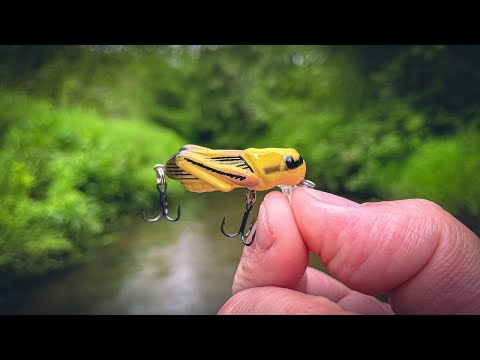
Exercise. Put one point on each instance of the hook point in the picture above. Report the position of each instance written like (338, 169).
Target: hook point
(251, 241)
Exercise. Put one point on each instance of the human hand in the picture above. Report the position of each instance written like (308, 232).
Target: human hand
(414, 251)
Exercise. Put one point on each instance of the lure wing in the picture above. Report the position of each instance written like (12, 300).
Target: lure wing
(202, 169)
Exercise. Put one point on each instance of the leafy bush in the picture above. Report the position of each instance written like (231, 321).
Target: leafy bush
(442, 170)
(67, 174)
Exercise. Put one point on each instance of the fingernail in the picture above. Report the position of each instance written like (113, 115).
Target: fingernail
(330, 198)
(264, 238)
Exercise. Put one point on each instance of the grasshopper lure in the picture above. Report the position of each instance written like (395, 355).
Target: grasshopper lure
(201, 169)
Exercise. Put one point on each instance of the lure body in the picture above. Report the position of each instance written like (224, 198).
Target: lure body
(201, 169)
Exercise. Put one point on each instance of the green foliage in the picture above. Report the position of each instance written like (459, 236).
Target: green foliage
(442, 170)
(67, 174)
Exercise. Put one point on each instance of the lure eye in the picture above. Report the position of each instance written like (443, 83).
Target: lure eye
(292, 164)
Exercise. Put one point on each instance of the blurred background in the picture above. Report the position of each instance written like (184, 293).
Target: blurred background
(82, 126)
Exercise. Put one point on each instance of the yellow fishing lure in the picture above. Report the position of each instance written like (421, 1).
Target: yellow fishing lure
(201, 169)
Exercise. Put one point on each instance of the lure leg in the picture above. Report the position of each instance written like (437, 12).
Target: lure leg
(162, 189)
(250, 197)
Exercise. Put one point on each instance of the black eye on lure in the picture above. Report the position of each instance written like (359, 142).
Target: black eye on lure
(293, 164)
(200, 169)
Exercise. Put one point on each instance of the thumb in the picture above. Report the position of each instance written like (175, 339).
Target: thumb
(425, 259)
(278, 257)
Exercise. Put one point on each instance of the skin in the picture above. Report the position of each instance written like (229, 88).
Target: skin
(423, 258)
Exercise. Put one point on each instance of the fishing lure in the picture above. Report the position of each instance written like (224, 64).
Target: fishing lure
(201, 169)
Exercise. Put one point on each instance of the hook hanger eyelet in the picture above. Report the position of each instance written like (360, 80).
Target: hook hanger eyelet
(162, 189)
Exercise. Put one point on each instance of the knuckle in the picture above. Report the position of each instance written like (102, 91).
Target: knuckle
(429, 205)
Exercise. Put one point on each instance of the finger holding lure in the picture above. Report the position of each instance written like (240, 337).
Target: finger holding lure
(201, 169)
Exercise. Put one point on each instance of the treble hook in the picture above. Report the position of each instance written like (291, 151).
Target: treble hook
(162, 189)
(250, 197)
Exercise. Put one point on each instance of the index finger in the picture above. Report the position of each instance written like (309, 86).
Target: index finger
(425, 259)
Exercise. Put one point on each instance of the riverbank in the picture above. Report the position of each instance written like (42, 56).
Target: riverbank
(67, 175)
